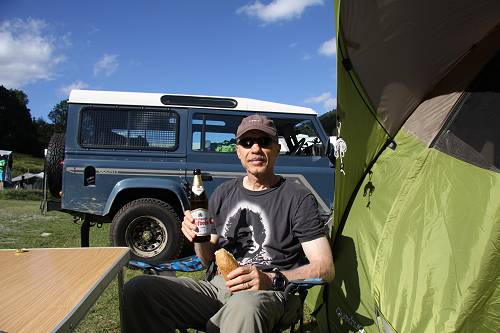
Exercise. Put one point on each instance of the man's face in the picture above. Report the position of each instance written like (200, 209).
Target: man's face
(255, 159)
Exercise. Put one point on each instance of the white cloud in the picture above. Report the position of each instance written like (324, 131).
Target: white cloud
(306, 57)
(325, 99)
(277, 10)
(107, 65)
(329, 48)
(65, 90)
(27, 52)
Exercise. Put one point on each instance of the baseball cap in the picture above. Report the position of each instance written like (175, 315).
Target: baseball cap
(257, 122)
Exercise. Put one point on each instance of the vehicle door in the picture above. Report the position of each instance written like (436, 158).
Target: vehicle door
(303, 156)
(212, 146)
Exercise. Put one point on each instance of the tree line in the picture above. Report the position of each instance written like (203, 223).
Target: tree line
(329, 122)
(22, 133)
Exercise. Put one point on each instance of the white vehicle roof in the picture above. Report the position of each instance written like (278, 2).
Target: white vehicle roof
(153, 99)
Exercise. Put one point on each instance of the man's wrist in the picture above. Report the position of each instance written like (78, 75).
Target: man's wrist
(279, 280)
(269, 283)
(204, 251)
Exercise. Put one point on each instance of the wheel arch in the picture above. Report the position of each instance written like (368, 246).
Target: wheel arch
(128, 190)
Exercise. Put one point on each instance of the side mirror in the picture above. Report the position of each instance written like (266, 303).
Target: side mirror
(330, 153)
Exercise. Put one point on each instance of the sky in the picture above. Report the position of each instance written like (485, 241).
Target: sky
(275, 50)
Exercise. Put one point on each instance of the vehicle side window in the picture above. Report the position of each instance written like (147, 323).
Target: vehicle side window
(151, 129)
(214, 132)
(298, 137)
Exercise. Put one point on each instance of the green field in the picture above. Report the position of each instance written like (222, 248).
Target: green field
(25, 163)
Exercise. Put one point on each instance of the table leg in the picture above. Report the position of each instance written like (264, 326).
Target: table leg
(84, 232)
(120, 295)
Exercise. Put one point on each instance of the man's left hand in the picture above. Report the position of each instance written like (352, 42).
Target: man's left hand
(248, 278)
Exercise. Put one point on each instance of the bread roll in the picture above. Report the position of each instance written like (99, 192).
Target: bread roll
(225, 262)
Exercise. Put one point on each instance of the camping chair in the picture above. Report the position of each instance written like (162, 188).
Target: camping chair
(187, 264)
(193, 264)
(299, 287)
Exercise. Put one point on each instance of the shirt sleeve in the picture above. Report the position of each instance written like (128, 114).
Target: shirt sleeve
(306, 224)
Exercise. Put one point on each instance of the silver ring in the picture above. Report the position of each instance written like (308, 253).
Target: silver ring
(247, 285)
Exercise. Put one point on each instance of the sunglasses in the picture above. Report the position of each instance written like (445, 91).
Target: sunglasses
(263, 142)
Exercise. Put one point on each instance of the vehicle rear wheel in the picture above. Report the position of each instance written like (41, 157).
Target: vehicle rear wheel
(150, 228)
(54, 164)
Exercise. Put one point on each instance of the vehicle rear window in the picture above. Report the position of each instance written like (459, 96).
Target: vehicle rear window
(129, 128)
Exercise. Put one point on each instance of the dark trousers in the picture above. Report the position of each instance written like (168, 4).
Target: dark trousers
(162, 304)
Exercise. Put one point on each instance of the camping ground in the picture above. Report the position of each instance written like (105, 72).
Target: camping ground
(23, 226)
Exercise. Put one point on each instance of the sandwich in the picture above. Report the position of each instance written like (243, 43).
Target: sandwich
(225, 262)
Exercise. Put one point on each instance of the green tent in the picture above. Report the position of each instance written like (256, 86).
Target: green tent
(417, 200)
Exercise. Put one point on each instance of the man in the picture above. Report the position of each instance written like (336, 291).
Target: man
(271, 226)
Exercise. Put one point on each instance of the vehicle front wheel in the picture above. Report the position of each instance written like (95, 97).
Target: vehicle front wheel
(150, 228)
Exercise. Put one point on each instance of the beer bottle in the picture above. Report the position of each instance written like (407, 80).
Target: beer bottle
(198, 201)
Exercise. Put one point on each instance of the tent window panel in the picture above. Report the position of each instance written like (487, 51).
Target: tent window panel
(473, 133)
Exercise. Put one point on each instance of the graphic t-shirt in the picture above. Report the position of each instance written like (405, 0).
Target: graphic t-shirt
(265, 228)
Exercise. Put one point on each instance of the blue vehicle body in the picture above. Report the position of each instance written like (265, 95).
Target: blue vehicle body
(99, 179)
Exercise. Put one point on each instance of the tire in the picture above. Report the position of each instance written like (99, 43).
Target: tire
(54, 163)
(150, 228)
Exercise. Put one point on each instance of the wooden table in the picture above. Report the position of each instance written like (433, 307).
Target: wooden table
(51, 290)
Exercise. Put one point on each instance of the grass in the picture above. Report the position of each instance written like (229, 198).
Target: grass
(23, 226)
(21, 194)
(25, 163)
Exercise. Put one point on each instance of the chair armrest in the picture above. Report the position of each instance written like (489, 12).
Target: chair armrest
(308, 283)
(302, 285)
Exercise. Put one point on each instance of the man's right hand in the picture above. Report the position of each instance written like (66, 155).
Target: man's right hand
(188, 226)
(203, 250)
(249, 278)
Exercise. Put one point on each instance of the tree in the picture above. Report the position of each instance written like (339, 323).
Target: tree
(58, 116)
(16, 127)
(329, 122)
(43, 132)
(21, 96)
